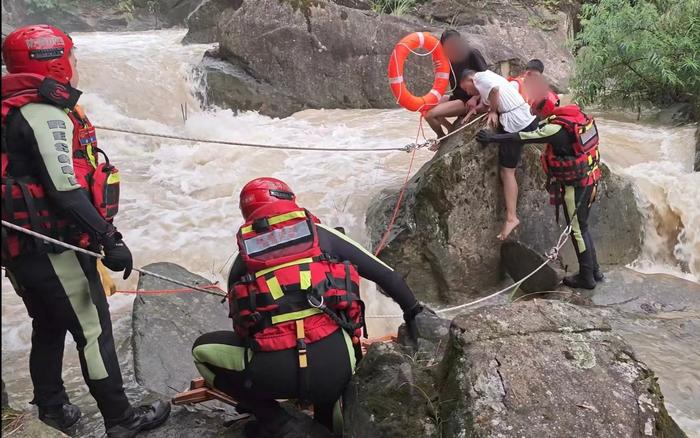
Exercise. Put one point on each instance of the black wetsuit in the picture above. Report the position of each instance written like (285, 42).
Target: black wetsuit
(220, 356)
(473, 61)
(61, 289)
(583, 197)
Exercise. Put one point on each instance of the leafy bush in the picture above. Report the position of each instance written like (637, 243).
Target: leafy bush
(395, 7)
(635, 51)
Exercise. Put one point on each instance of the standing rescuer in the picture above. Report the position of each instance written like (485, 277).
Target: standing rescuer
(296, 309)
(53, 183)
(571, 162)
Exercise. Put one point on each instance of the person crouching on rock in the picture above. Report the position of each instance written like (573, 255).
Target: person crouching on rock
(297, 314)
(570, 160)
(507, 109)
(460, 103)
(53, 184)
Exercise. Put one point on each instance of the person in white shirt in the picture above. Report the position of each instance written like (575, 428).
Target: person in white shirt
(508, 108)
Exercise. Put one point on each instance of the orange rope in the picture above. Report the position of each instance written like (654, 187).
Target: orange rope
(166, 291)
(385, 237)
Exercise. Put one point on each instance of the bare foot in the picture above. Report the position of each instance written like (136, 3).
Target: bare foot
(508, 227)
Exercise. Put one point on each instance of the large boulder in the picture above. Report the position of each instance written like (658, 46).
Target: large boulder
(546, 368)
(165, 326)
(324, 54)
(201, 22)
(444, 239)
(532, 369)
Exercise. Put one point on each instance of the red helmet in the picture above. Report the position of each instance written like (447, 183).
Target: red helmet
(263, 191)
(544, 108)
(40, 49)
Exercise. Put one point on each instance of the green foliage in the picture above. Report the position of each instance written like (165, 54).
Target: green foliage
(635, 51)
(394, 7)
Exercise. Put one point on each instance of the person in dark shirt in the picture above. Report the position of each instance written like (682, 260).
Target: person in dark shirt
(460, 103)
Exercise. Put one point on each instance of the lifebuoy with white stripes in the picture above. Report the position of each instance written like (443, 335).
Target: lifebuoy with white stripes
(441, 65)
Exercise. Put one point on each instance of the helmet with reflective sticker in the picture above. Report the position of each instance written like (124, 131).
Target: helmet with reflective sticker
(261, 192)
(40, 49)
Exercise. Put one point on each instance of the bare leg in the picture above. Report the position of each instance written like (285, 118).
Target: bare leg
(510, 193)
(436, 116)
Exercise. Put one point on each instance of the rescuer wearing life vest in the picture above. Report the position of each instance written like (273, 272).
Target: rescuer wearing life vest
(461, 57)
(571, 162)
(532, 85)
(296, 309)
(53, 183)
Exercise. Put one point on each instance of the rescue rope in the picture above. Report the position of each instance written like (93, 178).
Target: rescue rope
(100, 256)
(550, 255)
(249, 145)
(167, 291)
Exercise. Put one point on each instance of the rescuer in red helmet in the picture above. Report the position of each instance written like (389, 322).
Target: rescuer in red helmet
(571, 161)
(297, 312)
(54, 183)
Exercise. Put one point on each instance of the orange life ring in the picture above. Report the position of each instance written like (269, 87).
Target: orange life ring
(441, 65)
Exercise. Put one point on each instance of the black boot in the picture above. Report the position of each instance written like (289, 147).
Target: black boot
(145, 417)
(60, 417)
(598, 275)
(583, 280)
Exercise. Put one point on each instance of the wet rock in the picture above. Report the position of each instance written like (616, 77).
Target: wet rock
(19, 424)
(308, 44)
(392, 394)
(227, 83)
(545, 368)
(201, 23)
(532, 369)
(519, 261)
(632, 291)
(444, 240)
(165, 326)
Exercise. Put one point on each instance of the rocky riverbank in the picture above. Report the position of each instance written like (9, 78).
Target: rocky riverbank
(529, 369)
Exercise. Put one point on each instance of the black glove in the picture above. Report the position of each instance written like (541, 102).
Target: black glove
(117, 255)
(411, 327)
(483, 136)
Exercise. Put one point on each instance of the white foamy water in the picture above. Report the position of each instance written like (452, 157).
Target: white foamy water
(180, 199)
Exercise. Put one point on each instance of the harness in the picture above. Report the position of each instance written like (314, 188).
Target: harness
(24, 200)
(583, 168)
(293, 293)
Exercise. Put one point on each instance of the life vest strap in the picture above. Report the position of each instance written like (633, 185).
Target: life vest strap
(303, 360)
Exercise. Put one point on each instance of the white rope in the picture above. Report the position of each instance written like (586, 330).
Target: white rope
(244, 144)
(551, 255)
(411, 146)
(100, 256)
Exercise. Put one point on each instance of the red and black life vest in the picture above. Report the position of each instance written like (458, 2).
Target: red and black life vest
(582, 169)
(24, 200)
(293, 293)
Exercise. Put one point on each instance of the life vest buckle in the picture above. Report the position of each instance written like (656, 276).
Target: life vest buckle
(248, 278)
(315, 302)
(261, 225)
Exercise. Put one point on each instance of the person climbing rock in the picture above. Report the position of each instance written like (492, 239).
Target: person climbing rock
(297, 313)
(53, 184)
(532, 85)
(460, 103)
(570, 160)
(508, 111)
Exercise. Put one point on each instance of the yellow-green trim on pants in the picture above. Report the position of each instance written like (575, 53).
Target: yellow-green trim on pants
(77, 288)
(570, 200)
(225, 356)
